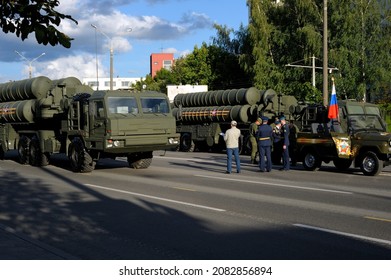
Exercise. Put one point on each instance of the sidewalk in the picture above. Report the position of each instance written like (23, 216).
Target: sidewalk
(15, 246)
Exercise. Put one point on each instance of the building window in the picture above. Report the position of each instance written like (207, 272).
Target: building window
(93, 84)
(167, 64)
(125, 83)
(107, 83)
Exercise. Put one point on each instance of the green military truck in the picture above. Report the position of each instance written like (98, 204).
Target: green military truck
(359, 136)
(40, 117)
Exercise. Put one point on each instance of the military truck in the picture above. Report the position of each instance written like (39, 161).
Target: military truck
(359, 136)
(40, 117)
(203, 116)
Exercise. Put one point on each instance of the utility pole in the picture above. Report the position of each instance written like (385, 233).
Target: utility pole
(325, 56)
(96, 58)
(313, 67)
(111, 54)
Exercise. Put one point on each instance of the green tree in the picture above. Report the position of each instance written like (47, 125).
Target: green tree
(24, 17)
(228, 59)
(194, 68)
(359, 45)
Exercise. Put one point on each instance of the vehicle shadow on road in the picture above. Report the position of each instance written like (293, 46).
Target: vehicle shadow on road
(88, 224)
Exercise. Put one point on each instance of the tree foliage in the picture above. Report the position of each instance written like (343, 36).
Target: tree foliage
(24, 17)
(358, 39)
(220, 65)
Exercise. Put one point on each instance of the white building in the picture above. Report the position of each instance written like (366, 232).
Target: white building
(104, 83)
(173, 90)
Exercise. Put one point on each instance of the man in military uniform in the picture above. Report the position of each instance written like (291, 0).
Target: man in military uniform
(285, 144)
(293, 130)
(277, 142)
(264, 136)
(253, 139)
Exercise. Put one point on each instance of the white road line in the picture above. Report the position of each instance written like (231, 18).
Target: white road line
(157, 198)
(377, 240)
(273, 184)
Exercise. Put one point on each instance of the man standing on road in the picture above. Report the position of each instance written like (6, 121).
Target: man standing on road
(231, 138)
(285, 146)
(264, 136)
(253, 139)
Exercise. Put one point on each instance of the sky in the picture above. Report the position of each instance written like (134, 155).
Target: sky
(135, 28)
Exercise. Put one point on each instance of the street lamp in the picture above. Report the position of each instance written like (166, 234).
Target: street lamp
(96, 59)
(29, 61)
(111, 54)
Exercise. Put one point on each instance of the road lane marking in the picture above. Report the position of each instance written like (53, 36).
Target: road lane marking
(184, 189)
(156, 198)
(274, 184)
(377, 219)
(366, 238)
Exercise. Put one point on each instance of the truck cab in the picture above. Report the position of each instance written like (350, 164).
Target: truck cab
(121, 124)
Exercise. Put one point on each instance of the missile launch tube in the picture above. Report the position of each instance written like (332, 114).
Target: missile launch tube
(25, 89)
(198, 115)
(17, 111)
(230, 97)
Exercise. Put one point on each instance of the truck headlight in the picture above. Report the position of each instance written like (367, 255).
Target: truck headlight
(114, 143)
(173, 141)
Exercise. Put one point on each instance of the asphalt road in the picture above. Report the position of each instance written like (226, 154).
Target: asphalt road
(184, 207)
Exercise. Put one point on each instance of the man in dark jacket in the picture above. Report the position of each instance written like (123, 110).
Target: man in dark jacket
(285, 146)
(264, 136)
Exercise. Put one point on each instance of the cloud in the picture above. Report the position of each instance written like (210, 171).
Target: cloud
(79, 66)
(79, 60)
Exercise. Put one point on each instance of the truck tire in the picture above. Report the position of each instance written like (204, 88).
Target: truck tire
(371, 165)
(311, 161)
(23, 150)
(187, 144)
(36, 157)
(80, 160)
(140, 161)
(342, 163)
(2, 152)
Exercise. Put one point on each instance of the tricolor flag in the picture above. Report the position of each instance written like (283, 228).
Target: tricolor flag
(333, 107)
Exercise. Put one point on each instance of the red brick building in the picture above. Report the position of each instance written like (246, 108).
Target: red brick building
(159, 61)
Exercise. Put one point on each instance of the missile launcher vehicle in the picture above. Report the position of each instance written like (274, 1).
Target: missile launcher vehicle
(202, 116)
(40, 117)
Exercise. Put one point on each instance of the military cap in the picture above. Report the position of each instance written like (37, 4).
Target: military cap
(282, 118)
(264, 118)
(259, 120)
(277, 122)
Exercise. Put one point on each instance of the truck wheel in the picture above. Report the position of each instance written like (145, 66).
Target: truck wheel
(2, 152)
(23, 149)
(140, 161)
(311, 161)
(80, 160)
(187, 144)
(342, 163)
(370, 164)
(36, 157)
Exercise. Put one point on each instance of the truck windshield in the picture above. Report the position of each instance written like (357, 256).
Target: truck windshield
(365, 122)
(122, 105)
(155, 105)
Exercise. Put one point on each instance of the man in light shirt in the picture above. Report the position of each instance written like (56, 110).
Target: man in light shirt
(231, 138)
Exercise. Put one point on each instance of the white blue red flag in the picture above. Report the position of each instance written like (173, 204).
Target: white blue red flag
(333, 107)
